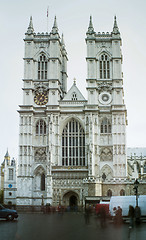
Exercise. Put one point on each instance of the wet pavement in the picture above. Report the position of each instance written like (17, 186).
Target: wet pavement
(69, 226)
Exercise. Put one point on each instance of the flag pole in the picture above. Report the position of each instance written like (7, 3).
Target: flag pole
(47, 18)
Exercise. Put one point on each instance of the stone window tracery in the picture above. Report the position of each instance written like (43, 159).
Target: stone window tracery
(104, 67)
(74, 97)
(40, 127)
(105, 126)
(11, 174)
(106, 169)
(73, 144)
(42, 67)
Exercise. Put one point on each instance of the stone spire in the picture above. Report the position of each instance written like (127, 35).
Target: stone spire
(30, 29)
(90, 28)
(55, 28)
(7, 154)
(115, 28)
(63, 45)
(7, 158)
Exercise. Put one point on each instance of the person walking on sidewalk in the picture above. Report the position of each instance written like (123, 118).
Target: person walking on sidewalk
(137, 212)
(131, 216)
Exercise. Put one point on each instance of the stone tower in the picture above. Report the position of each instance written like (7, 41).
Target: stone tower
(44, 85)
(105, 98)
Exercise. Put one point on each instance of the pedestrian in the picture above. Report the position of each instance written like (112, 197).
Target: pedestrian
(114, 214)
(102, 215)
(48, 208)
(87, 214)
(119, 216)
(137, 212)
(131, 216)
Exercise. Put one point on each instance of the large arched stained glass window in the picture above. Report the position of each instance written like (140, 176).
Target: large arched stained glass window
(73, 144)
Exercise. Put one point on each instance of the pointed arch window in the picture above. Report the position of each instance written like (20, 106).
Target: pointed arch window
(42, 182)
(122, 192)
(40, 127)
(105, 126)
(42, 67)
(104, 67)
(109, 193)
(73, 144)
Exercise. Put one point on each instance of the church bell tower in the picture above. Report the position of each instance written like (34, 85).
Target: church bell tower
(105, 96)
(44, 85)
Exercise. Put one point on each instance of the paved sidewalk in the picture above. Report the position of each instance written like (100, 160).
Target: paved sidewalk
(69, 226)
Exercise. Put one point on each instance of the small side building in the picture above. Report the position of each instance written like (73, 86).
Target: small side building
(8, 179)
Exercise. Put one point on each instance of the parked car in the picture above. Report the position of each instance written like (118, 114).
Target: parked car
(7, 213)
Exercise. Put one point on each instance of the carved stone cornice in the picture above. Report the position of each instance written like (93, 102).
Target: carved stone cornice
(40, 87)
(105, 86)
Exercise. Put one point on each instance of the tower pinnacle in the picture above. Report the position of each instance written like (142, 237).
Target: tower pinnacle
(7, 157)
(30, 29)
(55, 28)
(90, 28)
(62, 41)
(115, 28)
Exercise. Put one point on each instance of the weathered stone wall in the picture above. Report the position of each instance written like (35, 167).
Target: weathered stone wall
(128, 187)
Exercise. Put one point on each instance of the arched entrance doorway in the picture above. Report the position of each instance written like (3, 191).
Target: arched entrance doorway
(71, 199)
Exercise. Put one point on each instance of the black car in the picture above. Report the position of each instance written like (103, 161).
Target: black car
(7, 213)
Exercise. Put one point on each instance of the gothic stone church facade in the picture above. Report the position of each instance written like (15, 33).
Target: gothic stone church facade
(70, 147)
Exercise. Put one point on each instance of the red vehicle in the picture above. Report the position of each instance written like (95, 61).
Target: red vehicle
(102, 205)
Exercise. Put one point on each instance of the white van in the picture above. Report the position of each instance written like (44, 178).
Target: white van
(125, 201)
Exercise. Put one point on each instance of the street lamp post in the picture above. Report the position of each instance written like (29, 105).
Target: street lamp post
(136, 183)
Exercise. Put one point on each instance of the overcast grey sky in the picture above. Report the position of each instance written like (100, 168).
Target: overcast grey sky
(73, 20)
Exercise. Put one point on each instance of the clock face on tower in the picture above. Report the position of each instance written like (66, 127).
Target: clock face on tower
(41, 98)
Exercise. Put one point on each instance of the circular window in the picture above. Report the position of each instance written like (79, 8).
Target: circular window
(105, 98)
